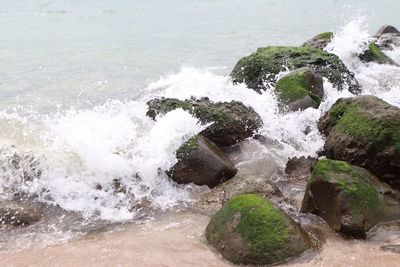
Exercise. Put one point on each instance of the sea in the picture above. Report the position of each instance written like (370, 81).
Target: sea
(75, 76)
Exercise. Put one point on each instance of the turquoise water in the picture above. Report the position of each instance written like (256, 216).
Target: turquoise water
(70, 52)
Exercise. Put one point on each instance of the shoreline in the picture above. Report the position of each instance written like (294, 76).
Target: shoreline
(177, 239)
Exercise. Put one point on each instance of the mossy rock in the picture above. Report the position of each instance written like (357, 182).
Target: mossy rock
(293, 88)
(248, 229)
(201, 162)
(263, 66)
(365, 131)
(319, 41)
(375, 54)
(349, 198)
(231, 122)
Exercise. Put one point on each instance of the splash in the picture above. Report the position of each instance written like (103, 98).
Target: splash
(108, 161)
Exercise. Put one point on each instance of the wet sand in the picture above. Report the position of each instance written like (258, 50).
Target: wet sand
(176, 239)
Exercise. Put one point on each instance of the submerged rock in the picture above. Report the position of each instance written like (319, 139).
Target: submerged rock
(391, 248)
(319, 41)
(374, 54)
(232, 122)
(263, 66)
(385, 232)
(365, 131)
(300, 89)
(201, 162)
(248, 229)
(349, 198)
(18, 214)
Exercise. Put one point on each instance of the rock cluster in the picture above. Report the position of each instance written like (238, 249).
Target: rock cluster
(354, 189)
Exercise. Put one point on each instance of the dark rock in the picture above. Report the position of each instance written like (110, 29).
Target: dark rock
(248, 229)
(231, 122)
(300, 168)
(365, 131)
(391, 248)
(320, 41)
(374, 54)
(385, 29)
(388, 41)
(300, 89)
(201, 162)
(19, 214)
(349, 198)
(262, 67)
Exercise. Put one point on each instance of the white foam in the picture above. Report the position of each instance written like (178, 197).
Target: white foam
(82, 151)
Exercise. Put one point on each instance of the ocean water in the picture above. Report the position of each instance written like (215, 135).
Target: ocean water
(75, 77)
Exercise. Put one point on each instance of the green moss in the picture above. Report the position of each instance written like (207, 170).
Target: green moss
(350, 120)
(185, 149)
(293, 87)
(262, 228)
(324, 167)
(263, 66)
(376, 52)
(355, 185)
(324, 36)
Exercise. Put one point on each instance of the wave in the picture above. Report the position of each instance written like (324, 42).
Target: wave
(107, 161)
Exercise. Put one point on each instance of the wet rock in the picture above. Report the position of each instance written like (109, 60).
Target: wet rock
(300, 168)
(18, 214)
(365, 131)
(375, 54)
(261, 68)
(250, 185)
(349, 198)
(388, 41)
(319, 41)
(300, 89)
(248, 229)
(386, 29)
(232, 122)
(388, 37)
(201, 162)
(385, 232)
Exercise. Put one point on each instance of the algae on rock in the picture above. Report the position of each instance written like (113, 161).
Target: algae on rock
(231, 122)
(365, 131)
(263, 66)
(295, 88)
(248, 229)
(349, 198)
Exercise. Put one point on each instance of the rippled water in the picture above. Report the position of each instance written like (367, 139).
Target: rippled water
(76, 75)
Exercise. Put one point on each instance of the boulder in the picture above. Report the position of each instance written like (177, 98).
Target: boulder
(201, 162)
(319, 41)
(261, 68)
(349, 198)
(300, 168)
(364, 131)
(248, 229)
(18, 214)
(375, 54)
(386, 29)
(388, 41)
(300, 89)
(232, 122)
(387, 37)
